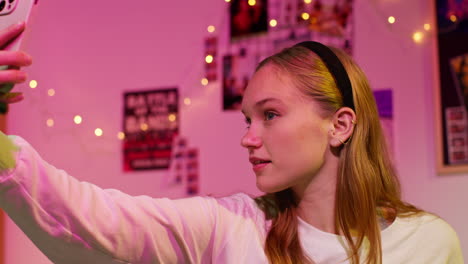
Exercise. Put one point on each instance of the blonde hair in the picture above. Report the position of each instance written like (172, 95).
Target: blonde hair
(366, 178)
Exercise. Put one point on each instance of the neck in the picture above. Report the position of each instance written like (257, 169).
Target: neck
(317, 199)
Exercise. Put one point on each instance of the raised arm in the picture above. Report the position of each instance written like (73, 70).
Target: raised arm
(77, 222)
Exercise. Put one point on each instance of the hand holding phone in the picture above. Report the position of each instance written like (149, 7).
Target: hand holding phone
(13, 60)
(13, 16)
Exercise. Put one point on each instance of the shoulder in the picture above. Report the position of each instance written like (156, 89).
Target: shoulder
(431, 233)
(239, 204)
(431, 226)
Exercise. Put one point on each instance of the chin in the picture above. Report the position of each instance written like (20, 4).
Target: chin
(269, 187)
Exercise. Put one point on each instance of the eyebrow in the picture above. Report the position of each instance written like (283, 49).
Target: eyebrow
(264, 101)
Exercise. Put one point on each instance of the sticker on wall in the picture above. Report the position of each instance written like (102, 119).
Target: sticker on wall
(384, 100)
(192, 171)
(150, 123)
(184, 167)
(211, 58)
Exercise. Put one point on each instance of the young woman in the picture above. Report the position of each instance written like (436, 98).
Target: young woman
(315, 143)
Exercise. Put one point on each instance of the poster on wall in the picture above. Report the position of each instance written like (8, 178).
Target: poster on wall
(150, 123)
(452, 93)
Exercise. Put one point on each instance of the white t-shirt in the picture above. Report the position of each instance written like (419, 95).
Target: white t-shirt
(77, 222)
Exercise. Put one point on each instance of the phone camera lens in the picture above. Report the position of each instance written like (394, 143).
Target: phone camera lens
(2, 5)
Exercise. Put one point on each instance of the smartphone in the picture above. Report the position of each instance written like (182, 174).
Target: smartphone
(12, 12)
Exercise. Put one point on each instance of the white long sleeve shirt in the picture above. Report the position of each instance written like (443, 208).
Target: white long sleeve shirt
(78, 222)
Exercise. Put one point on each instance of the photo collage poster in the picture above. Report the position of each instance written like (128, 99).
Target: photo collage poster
(253, 39)
(452, 38)
(150, 123)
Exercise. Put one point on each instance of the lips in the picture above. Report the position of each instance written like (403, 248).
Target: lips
(258, 163)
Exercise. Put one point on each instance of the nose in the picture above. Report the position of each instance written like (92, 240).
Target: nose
(250, 140)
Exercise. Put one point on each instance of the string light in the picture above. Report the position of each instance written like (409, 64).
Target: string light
(50, 122)
(172, 117)
(427, 27)
(144, 126)
(187, 101)
(391, 19)
(307, 1)
(209, 58)
(77, 119)
(98, 132)
(227, 1)
(51, 92)
(121, 135)
(204, 81)
(418, 36)
(252, 2)
(273, 23)
(33, 84)
(305, 16)
(211, 28)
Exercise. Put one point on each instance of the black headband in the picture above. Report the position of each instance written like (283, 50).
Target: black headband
(335, 67)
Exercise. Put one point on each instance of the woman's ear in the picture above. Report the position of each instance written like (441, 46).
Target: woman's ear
(343, 122)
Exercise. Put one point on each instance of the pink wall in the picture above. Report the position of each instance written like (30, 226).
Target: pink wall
(90, 54)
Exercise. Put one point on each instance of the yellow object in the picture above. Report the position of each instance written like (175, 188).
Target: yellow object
(7, 150)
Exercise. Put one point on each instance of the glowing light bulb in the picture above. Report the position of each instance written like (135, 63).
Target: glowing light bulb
(51, 92)
(121, 135)
(427, 27)
(50, 122)
(98, 132)
(144, 126)
(391, 19)
(33, 84)
(77, 119)
(227, 1)
(453, 18)
(209, 58)
(273, 23)
(187, 101)
(204, 81)
(305, 16)
(307, 1)
(211, 28)
(418, 36)
(172, 117)
(252, 2)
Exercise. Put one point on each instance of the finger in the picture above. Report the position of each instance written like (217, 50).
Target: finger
(11, 98)
(15, 58)
(11, 32)
(12, 76)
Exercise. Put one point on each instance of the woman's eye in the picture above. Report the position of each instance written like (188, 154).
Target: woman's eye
(269, 115)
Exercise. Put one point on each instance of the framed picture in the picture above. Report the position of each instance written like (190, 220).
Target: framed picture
(451, 98)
